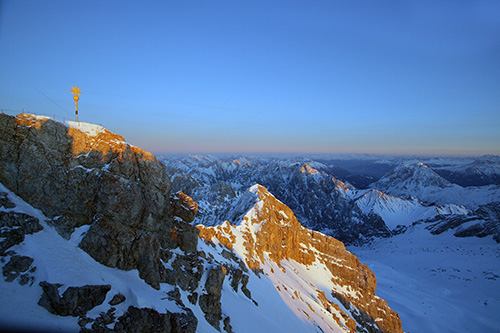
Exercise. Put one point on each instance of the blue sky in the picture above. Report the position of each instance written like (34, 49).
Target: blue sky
(382, 77)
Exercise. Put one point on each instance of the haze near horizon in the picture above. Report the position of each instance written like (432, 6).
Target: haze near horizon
(258, 77)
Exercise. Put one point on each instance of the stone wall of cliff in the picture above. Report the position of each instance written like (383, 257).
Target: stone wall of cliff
(79, 177)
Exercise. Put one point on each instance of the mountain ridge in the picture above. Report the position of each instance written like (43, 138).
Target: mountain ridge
(269, 236)
(93, 237)
(424, 183)
(321, 201)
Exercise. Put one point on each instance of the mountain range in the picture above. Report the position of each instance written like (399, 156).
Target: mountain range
(404, 195)
(94, 238)
(99, 235)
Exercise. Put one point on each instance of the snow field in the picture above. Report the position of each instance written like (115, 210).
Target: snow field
(437, 283)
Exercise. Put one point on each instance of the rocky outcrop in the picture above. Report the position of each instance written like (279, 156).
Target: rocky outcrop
(13, 228)
(183, 206)
(271, 233)
(480, 223)
(82, 174)
(148, 320)
(210, 300)
(15, 267)
(75, 301)
(117, 299)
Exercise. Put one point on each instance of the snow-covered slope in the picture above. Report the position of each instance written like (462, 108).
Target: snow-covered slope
(484, 170)
(437, 283)
(396, 211)
(420, 181)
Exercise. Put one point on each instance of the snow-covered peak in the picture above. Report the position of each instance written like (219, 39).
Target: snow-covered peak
(308, 170)
(396, 211)
(255, 188)
(418, 180)
(407, 177)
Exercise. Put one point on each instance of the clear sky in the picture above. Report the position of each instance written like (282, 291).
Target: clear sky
(322, 76)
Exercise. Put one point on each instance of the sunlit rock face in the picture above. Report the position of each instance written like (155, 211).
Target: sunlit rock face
(314, 273)
(82, 174)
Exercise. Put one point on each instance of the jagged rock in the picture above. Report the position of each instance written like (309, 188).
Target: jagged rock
(148, 320)
(244, 289)
(17, 265)
(186, 273)
(183, 206)
(95, 178)
(83, 321)
(236, 275)
(64, 225)
(232, 256)
(480, 223)
(75, 301)
(210, 301)
(193, 298)
(104, 319)
(227, 325)
(5, 202)
(184, 236)
(117, 299)
(184, 322)
(175, 294)
(278, 237)
(13, 227)
(117, 245)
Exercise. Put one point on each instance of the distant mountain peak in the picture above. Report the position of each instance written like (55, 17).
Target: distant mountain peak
(307, 169)
(411, 175)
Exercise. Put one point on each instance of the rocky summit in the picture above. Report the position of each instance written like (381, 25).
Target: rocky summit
(338, 289)
(82, 174)
(94, 239)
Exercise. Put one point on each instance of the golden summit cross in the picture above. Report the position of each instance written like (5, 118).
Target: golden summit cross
(76, 91)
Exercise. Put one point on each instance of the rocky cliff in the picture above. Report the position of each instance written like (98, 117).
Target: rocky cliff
(82, 174)
(271, 240)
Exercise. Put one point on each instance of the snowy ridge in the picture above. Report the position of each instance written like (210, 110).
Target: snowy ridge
(420, 181)
(398, 211)
(302, 273)
(61, 261)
